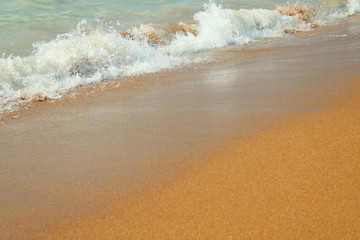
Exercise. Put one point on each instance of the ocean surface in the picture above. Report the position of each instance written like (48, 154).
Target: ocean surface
(48, 47)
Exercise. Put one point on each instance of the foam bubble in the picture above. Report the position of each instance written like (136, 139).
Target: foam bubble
(94, 52)
(74, 59)
(353, 7)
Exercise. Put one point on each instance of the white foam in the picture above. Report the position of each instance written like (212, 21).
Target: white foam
(89, 54)
(337, 9)
(353, 7)
(74, 59)
(218, 27)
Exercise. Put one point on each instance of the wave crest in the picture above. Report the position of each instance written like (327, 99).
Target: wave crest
(91, 54)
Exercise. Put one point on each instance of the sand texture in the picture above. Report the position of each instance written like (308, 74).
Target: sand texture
(262, 142)
(299, 180)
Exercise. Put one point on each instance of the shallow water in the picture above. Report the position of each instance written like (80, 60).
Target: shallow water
(50, 47)
(24, 22)
(72, 159)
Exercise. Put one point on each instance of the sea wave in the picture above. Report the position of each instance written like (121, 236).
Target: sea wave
(91, 54)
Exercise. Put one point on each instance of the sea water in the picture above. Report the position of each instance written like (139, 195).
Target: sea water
(48, 47)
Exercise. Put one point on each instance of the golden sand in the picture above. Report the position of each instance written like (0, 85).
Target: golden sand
(105, 166)
(299, 180)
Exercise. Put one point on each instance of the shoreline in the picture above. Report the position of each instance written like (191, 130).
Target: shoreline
(296, 180)
(78, 158)
(142, 81)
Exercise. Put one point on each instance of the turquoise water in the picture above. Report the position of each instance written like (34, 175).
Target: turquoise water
(23, 22)
(49, 47)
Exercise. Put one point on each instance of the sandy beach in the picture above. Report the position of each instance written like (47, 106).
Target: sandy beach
(262, 143)
(299, 180)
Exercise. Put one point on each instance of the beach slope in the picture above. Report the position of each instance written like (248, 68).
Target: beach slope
(299, 180)
(262, 142)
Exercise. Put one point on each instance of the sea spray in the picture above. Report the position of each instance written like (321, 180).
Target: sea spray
(76, 58)
(95, 52)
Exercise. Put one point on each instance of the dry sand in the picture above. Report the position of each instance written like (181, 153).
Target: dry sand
(202, 152)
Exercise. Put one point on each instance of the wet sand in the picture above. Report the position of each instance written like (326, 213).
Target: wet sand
(196, 152)
(299, 180)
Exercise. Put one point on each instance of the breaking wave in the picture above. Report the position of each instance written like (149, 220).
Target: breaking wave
(91, 54)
